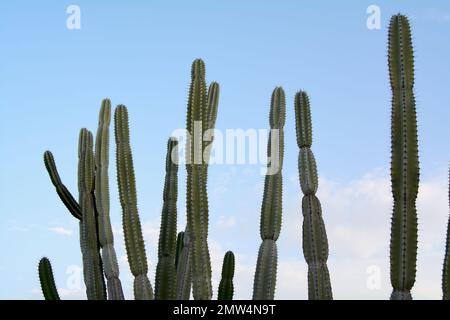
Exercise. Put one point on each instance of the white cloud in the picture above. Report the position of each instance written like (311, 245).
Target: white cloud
(225, 223)
(61, 231)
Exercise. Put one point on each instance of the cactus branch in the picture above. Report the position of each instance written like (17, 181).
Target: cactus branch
(47, 281)
(226, 288)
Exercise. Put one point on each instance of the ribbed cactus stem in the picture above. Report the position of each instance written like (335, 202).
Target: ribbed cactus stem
(165, 284)
(446, 269)
(89, 242)
(184, 278)
(226, 288)
(134, 241)
(180, 245)
(271, 211)
(47, 281)
(63, 193)
(404, 160)
(106, 237)
(315, 242)
(201, 116)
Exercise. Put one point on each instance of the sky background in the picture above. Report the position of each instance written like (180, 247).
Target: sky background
(139, 53)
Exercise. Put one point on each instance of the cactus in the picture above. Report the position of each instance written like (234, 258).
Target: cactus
(315, 243)
(184, 277)
(105, 234)
(201, 116)
(63, 193)
(179, 249)
(89, 242)
(165, 283)
(446, 269)
(271, 211)
(134, 241)
(226, 288)
(47, 281)
(404, 161)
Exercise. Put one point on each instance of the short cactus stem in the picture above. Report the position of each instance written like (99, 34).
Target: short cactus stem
(47, 281)
(226, 288)
(446, 269)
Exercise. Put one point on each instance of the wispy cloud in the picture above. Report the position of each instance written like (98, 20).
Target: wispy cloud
(61, 231)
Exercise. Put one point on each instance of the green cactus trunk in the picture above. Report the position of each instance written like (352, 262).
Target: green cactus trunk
(134, 242)
(446, 269)
(47, 281)
(201, 115)
(184, 277)
(165, 284)
(404, 161)
(315, 242)
(89, 241)
(271, 211)
(226, 288)
(106, 237)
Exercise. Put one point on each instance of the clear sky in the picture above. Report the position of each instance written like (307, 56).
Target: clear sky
(139, 53)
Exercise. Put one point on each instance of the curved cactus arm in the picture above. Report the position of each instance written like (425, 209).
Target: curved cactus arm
(405, 159)
(315, 242)
(446, 270)
(226, 288)
(134, 241)
(47, 281)
(271, 209)
(63, 193)
(184, 279)
(92, 263)
(165, 283)
(105, 234)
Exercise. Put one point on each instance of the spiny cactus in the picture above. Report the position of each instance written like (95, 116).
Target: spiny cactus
(165, 284)
(226, 288)
(63, 193)
(446, 269)
(271, 211)
(89, 242)
(179, 249)
(184, 277)
(134, 241)
(315, 243)
(47, 281)
(404, 161)
(105, 234)
(201, 116)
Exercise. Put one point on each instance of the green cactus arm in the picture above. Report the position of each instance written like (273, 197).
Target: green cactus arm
(404, 161)
(180, 245)
(105, 234)
(165, 283)
(47, 281)
(315, 242)
(184, 279)
(134, 241)
(213, 104)
(446, 269)
(266, 271)
(92, 263)
(63, 193)
(226, 288)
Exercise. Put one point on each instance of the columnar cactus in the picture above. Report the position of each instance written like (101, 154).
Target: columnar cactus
(184, 277)
(105, 234)
(315, 243)
(165, 284)
(47, 281)
(446, 269)
(134, 241)
(404, 161)
(226, 288)
(271, 211)
(201, 115)
(92, 263)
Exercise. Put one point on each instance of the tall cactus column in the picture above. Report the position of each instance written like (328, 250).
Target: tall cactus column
(271, 211)
(201, 116)
(404, 161)
(165, 284)
(106, 237)
(134, 241)
(315, 243)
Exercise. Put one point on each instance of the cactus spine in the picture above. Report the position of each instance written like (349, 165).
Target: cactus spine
(404, 161)
(165, 284)
(92, 263)
(47, 281)
(63, 193)
(271, 211)
(201, 116)
(446, 270)
(134, 241)
(226, 288)
(106, 237)
(315, 243)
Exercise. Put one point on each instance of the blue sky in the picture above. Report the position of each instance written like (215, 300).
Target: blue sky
(139, 54)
